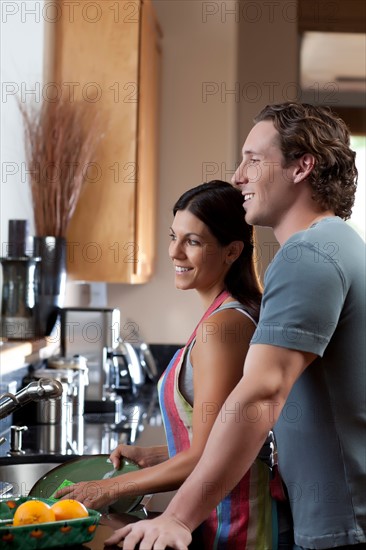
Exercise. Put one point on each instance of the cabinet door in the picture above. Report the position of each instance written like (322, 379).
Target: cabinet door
(147, 165)
(97, 53)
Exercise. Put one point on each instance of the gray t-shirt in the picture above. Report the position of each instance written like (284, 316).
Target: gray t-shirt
(314, 301)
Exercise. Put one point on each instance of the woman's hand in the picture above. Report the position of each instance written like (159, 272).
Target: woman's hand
(93, 494)
(161, 532)
(100, 493)
(143, 456)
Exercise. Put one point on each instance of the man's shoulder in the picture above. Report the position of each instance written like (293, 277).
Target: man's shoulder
(331, 241)
(332, 229)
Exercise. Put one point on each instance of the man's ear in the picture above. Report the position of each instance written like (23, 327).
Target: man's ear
(233, 251)
(303, 168)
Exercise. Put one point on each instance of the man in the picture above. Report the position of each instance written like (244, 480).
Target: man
(305, 370)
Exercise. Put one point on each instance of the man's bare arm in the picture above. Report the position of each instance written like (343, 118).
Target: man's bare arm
(241, 428)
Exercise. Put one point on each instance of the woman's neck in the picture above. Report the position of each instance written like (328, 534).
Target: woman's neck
(209, 296)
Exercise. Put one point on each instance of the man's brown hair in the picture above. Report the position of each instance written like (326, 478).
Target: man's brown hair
(316, 130)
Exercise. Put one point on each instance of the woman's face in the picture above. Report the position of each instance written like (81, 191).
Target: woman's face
(200, 262)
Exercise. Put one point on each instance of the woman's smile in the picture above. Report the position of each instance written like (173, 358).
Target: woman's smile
(182, 270)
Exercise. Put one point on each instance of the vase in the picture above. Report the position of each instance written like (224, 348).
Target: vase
(51, 281)
(19, 298)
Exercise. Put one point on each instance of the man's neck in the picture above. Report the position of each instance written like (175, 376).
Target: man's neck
(297, 223)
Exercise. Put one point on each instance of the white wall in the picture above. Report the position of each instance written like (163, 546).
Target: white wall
(268, 73)
(21, 77)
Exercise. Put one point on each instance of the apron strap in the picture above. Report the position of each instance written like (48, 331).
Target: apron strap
(215, 304)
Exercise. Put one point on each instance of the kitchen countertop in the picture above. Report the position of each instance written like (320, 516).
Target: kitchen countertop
(14, 354)
(104, 530)
(108, 524)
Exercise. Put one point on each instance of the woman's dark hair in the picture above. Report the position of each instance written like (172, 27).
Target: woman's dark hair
(219, 206)
(305, 128)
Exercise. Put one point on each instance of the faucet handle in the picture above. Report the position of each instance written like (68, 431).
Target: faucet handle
(16, 433)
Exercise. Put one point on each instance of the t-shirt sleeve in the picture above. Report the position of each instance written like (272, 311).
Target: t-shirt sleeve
(303, 298)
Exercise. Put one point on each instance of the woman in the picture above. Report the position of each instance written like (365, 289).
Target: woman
(212, 252)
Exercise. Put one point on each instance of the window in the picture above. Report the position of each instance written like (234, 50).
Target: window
(358, 219)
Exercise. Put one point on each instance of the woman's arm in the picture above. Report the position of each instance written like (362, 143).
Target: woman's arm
(217, 357)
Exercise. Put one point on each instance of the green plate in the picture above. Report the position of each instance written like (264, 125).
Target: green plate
(87, 468)
(43, 535)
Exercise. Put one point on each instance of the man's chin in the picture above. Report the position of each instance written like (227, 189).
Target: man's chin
(249, 219)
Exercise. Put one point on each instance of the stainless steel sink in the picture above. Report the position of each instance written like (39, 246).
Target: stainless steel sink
(22, 473)
(23, 476)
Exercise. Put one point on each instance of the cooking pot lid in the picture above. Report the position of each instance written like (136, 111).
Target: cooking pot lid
(76, 362)
(63, 375)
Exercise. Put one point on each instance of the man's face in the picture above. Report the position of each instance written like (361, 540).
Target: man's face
(266, 185)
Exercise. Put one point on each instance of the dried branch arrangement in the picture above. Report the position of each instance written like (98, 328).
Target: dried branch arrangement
(60, 143)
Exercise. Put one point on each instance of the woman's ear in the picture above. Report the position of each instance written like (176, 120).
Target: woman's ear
(303, 167)
(233, 251)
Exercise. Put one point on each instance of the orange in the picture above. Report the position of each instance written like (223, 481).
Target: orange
(69, 509)
(33, 511)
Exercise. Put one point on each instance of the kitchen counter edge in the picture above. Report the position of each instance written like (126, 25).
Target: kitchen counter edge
(15, 354)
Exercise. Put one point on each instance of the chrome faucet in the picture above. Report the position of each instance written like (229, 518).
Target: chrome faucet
(44, 388)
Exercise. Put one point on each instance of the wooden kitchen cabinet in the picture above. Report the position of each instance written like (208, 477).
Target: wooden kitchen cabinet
(108, 53)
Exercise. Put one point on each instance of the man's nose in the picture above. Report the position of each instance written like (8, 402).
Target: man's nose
(239, 176)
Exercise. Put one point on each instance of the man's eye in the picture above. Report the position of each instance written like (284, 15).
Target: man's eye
(253, 161)
(172, 236)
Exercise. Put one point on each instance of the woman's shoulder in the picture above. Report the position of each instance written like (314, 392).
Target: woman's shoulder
(226, 324)
(234, 309)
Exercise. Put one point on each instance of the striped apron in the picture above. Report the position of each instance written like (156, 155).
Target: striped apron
(242, 520)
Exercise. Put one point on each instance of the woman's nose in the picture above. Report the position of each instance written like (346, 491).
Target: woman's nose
(176, 250)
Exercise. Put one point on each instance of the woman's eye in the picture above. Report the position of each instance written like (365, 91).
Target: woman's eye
(193, 242)
(172, 236)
